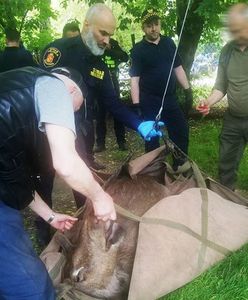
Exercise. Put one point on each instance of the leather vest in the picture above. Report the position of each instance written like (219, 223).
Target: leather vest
(21, 143)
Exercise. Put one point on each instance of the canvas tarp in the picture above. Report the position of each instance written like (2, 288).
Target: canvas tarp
(182, 235)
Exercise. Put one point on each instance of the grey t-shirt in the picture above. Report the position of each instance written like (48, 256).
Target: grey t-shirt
(53, 103)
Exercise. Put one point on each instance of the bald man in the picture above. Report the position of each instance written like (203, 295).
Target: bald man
(232, 80)
(83, 53)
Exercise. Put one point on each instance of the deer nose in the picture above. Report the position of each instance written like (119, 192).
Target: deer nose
(78, 275)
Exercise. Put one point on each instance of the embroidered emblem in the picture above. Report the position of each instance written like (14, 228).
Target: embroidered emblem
(51, 57)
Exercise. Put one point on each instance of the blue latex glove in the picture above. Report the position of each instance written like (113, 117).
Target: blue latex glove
(147, 130)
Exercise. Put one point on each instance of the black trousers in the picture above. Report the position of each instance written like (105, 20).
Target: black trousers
(101, 128)
(174, 120)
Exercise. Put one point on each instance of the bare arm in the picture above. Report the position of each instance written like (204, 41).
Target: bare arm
(58, 221)
(135, 89)
(181, 77)
(74, 171)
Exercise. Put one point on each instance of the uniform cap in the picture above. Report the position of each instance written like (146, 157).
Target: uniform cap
(149, 15)
(73, 75)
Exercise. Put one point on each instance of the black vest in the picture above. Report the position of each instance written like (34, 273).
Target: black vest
(21, 143)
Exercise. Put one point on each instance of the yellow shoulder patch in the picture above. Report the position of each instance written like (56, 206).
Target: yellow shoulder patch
(97, 73)
(51, 57)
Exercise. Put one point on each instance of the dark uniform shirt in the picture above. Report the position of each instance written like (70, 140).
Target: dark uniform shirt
(152, 62)
(15, 57)
(74, 53)
(112, 58)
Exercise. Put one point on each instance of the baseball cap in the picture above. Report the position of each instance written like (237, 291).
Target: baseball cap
(150, 15)
(73, 75)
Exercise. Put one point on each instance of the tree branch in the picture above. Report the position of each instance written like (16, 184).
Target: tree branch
(23, 21)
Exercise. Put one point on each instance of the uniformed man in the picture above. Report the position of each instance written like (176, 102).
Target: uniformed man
(83, 53)
(113, 56)
(151, 60)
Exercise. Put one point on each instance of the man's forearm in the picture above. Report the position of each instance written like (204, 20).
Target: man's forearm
(135, 89)
(79, 177)
(40, 207)
(215, 97)
(182, 78)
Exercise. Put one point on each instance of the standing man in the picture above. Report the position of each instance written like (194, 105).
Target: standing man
(232, 80)
(34, 102)
(14, 56)
(83, 53)
(112, 57)
(151, 60)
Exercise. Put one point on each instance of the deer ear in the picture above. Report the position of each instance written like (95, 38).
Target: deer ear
(114, 234)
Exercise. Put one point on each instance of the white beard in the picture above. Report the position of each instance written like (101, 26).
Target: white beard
(92, 44)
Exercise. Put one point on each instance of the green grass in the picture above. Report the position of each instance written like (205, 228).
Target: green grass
(225, 281)
(204, 149)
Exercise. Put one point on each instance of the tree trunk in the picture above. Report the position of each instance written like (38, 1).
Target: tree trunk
(190, 37)
(191, 33)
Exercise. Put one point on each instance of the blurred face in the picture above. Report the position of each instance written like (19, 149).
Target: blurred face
(152, 30)
(97, 33)
(238, 27)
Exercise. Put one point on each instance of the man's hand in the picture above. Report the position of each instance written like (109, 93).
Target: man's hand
(104, 207)
(149, 129)
(62, 222)
(203, 107)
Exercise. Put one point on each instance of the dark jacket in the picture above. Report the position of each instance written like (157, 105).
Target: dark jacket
(20, 140)
(15, 57)
(72, 52)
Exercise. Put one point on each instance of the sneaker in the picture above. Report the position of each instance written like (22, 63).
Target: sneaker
(123, 147)
(99, 148)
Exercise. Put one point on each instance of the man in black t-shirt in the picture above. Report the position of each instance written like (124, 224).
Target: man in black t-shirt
(151, 60)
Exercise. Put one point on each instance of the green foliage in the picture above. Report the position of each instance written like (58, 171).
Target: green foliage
(30, 18)
(201, 92)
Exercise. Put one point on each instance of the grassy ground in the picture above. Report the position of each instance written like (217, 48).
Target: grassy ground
(204, 149)
(227, 280)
